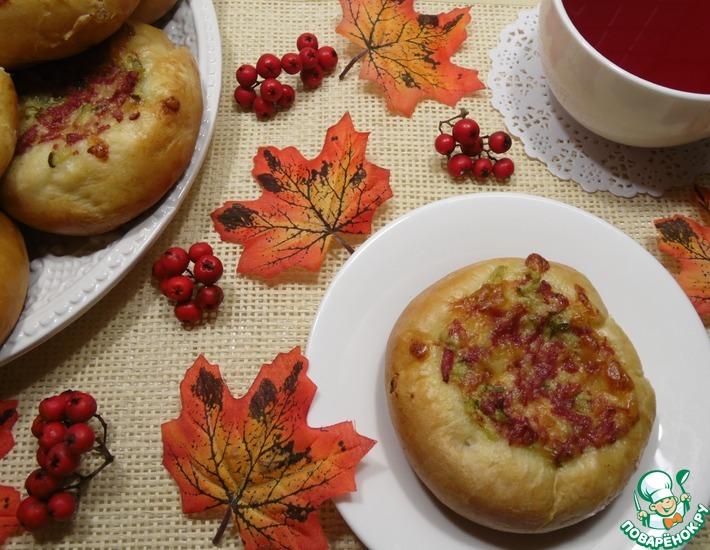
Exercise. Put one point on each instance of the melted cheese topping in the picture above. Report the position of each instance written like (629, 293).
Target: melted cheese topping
(534, 368)
(75, 101)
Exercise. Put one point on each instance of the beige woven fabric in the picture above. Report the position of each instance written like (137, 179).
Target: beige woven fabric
(131, 353)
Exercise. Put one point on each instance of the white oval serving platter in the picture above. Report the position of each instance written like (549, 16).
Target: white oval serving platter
(68, 279)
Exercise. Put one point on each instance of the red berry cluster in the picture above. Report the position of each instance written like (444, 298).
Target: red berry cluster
(311, 61)
(193, 291)
(64, 435)
(466, 135)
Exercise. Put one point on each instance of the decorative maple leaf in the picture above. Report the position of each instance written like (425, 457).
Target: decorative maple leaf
(689, 242)
(305, 204)
(408, 53)
(8, 417)
(9, 501)
(702, 195)
(255, 458)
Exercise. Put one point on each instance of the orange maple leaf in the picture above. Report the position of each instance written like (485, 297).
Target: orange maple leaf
(702, 195)
(305, 204)
(408, 53)
(689, 242)
(255, 458)
(8, 417)
(9, 501)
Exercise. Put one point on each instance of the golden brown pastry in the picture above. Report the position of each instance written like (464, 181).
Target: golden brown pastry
(14, 275)
(519, 402)
(152, 10)
(8, 119)
(104, 135)
(41, 30)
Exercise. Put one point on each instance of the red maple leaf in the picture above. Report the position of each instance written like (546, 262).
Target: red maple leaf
(689, 242)
(255, 459)
(9, 501)
(305, 204)
(8, 417)
(408, 54)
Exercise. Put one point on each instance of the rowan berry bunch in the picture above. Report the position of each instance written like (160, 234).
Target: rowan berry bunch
(65, 436)
(194, 292)
(311, 62)
(475, 152)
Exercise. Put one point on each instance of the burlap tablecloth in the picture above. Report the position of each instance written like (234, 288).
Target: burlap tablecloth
(131, 353)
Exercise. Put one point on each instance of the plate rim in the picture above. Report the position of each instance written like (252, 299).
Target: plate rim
(486, 194)
(698, 325)
(78, 298)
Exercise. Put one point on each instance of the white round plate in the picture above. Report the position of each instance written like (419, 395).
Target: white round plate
(68, 276)
(391, 509)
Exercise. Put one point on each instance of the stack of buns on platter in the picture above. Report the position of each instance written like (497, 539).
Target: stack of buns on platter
(99, 115)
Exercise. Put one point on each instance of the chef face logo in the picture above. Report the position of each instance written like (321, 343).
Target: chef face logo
(663, 506)
(656, 488)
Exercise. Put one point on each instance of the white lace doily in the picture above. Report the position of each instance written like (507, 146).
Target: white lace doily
(520, 92)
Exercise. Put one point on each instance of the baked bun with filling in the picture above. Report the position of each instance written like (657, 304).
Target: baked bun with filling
(14, 275)
(103, 135)
(8, 120)
(32, 31)
(149, 11)
(519, 402)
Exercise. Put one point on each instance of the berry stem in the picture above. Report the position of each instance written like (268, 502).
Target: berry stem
(104, 442)
(108, 459)
(222, 526)
(462, 114)
(103, 450)
(352, 62)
